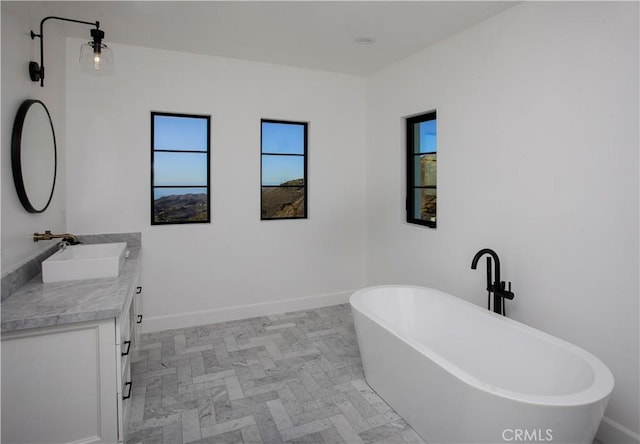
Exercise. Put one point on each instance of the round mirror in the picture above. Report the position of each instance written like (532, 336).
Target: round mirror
(33, 156)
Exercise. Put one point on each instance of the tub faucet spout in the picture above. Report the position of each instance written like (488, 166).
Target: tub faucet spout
(495, 286)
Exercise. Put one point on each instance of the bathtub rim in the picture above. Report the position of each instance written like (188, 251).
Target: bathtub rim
(600, 389)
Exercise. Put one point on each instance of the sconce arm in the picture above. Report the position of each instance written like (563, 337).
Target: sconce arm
(36, 72)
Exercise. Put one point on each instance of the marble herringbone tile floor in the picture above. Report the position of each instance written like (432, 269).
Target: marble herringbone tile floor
(291, 378)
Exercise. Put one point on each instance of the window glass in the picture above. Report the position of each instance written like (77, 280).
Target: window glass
(171, 168)
(180, 146)
(179, 133)
(422, 177)
(278, 170)
(283, 138)
(283, 184)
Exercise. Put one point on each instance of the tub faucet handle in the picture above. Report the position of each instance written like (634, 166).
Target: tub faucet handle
(507, 294)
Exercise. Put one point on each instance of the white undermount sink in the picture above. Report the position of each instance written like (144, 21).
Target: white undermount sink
(84, 261)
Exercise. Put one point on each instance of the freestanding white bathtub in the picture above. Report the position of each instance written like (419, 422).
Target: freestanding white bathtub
(458, 373)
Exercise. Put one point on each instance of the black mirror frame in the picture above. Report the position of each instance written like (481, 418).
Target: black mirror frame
(16, 156)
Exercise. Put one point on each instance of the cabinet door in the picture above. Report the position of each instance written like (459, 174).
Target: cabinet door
(58, 384)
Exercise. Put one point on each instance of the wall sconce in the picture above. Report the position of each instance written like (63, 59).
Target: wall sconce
(94, 56)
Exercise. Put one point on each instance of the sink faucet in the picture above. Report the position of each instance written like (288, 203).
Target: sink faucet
(71, 239)
(497, 287)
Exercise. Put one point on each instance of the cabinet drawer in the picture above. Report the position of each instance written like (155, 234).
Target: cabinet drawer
(125, 325)
(126, 384)
(124, 350)
(125, 395)
(124, 369)
(136, 313)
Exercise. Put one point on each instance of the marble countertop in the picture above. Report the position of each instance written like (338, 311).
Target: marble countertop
(37, 304)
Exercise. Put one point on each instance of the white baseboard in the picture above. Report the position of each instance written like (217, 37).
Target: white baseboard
(193, 319)
(610, 432)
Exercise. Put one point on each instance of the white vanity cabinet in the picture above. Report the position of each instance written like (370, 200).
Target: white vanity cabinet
(70, 383)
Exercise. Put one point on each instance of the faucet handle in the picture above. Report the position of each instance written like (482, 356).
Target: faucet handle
(508, 294)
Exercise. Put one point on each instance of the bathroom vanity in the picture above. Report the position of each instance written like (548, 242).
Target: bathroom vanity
(66, 349)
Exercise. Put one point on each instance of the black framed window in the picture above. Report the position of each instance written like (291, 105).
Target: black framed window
(180, 171)
(283, 178)
(422, 184)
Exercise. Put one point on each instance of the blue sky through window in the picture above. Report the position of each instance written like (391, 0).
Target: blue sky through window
(427, 132)
(174, 167)
(282, 138)
(287, 140)
(180, 133)
(279, 169)
(179, 169)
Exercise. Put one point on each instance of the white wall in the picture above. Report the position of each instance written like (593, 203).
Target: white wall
(201, 273)
(537, 159)
(18, 49)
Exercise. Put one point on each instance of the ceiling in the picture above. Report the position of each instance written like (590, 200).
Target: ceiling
(310, 34)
